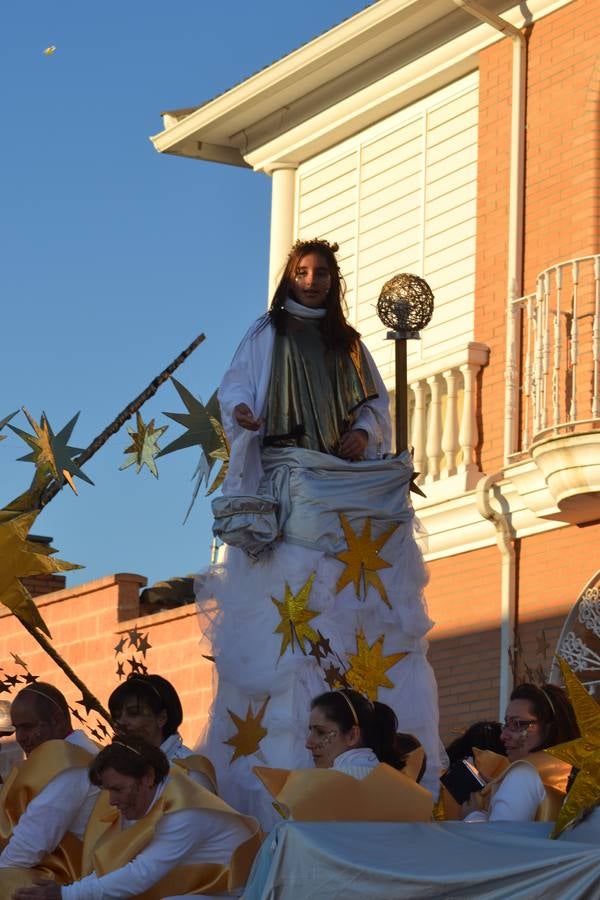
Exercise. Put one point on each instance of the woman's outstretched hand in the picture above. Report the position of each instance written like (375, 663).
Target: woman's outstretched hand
(245, 417)
(353, 444)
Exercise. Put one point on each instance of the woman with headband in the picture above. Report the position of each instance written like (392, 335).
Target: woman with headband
(360, 772)
(534, 784)
(149, 706)
(153, 833)
(310, 488)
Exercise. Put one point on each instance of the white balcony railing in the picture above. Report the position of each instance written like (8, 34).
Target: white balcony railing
(443, 410)
(553, 356)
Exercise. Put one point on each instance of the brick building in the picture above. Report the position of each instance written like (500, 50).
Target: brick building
(458, 140)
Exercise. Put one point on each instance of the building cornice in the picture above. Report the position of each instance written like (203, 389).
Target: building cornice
(339, 83)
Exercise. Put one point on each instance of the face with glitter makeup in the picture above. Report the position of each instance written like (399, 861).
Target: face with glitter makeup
(312, 280)
(325, 740)
(522, 731)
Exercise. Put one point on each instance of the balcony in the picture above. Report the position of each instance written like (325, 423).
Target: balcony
(553, 392)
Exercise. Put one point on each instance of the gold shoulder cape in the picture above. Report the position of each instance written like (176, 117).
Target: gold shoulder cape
(325, 795)
(197, 763)
(25, 781)
(554, 774)
(106, 848)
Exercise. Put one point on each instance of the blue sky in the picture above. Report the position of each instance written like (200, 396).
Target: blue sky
(114, 258)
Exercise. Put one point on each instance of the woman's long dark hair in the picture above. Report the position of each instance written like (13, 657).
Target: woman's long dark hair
(484, 735)
(552, 708)
(337, 332)
(378, 722)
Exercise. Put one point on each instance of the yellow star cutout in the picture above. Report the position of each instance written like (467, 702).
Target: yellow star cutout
(250, 732)
(362, 560)
(221, 453)
(144, 445)
(367, 667)
(295, 617)
(583, 753)
(20, 558)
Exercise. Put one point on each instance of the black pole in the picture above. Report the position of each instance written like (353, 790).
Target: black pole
(401, 396)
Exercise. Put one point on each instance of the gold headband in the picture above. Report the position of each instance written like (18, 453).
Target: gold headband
(127, 747)
(33, 690)
(141, 680)
(550, 703)
(350, 705)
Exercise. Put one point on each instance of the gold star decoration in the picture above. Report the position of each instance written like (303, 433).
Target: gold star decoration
(221, 453)
(19, 558)
(250, 732)
(50, 50)
(362, 560)
(295, 617)
(144, 445)
(50, 452)
(582, 753)
(4, 422)
(367, 667)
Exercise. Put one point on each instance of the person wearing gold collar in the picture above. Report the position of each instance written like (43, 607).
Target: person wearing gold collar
(155, 833)
(149, 706)
(360, 774)
(534, 784)
(47, 800)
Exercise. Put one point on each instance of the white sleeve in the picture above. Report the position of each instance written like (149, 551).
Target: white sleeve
(47, 819)
(374, 416)
(175, 837)
(241, 382)
(518, 796)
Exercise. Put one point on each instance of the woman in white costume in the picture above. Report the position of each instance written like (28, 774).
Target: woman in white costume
(534, 784)
(307, 417)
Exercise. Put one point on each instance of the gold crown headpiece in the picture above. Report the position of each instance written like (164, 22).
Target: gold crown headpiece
(300, 244)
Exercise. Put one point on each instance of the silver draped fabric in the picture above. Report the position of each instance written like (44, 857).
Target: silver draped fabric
(314, 393)
(312, 489)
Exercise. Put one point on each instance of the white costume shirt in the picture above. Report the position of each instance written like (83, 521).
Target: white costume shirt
(174, 748)
(180, 839)
(247, 381)
(65, 804)
(516, 799)
(358, 762)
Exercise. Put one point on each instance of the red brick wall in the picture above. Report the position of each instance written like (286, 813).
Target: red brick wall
(562, 182)
(86, 623)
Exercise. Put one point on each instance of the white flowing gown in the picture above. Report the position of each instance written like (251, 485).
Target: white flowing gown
(238, 615)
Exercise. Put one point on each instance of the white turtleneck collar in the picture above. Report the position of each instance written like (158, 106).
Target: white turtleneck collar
(303, 312)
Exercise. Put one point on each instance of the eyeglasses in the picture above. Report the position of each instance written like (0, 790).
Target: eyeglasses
(514, 724)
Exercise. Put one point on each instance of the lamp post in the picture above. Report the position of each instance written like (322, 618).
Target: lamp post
(405, 305)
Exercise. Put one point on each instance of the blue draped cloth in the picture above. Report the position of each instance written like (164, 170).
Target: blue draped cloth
(452, 860)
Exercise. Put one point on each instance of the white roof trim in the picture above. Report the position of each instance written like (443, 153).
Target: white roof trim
(272, 118)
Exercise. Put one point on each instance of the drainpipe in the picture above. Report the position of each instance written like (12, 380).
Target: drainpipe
(508, 582)
(499, 519)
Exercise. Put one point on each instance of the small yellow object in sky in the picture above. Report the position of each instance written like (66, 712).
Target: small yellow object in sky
(50, 50)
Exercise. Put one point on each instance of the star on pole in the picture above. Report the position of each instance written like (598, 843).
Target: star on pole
(4, 422)
(51, 452)
(20, 558)
(295, 617)
(367, 667)
(362, 560)
(144, 445)
(582, 753)
(250, 732)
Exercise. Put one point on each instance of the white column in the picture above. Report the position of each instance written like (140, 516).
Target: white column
(434, 437)
(282, 221)
(419, 428)
(450, 435)
(468, 435)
